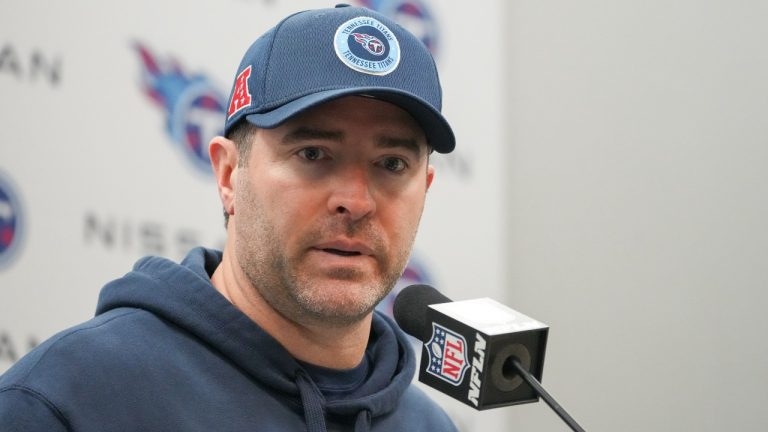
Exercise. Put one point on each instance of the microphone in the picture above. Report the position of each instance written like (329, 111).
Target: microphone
(477, 351)
(471, 346)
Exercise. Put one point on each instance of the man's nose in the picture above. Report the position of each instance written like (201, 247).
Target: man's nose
(352, 195)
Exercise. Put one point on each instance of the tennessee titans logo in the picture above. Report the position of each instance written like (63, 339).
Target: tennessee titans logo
(447, 351)
(194, 109)
(368, 46)
(414, 15)
(371, 43)
(11, 221)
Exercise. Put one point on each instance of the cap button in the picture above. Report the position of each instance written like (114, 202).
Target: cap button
(341, 5)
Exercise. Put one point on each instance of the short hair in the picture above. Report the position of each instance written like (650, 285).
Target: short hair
(242, 135)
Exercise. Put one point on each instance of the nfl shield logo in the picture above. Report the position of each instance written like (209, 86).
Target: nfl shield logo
(447, 352)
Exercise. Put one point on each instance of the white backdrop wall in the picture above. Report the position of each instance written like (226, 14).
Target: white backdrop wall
(97, 170)
(637, 202)
(610, 181)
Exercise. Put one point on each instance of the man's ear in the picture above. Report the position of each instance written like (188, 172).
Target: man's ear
(223, 154)
(430, 175)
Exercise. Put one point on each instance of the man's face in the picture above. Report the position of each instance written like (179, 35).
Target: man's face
(327, 207)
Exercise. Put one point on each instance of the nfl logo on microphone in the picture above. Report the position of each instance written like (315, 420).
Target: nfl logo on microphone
(447, 351)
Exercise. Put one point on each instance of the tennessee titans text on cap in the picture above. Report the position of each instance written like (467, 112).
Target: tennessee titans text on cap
(368, 46)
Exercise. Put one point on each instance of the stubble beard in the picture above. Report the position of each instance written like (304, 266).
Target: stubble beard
(303, 297)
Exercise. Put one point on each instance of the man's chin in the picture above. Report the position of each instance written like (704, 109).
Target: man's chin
(340, 301)
(337, 315)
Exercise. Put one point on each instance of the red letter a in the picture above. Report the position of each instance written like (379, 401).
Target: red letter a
(241, 97)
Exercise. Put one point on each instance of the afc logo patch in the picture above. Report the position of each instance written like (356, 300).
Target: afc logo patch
(241, 95)
(447, 351)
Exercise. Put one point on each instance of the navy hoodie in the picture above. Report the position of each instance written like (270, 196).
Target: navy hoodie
(167, 352)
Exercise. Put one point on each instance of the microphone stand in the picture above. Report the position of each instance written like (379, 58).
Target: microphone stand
(531, 380)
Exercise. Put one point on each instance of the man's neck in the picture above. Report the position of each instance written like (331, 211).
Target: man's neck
(315, 343)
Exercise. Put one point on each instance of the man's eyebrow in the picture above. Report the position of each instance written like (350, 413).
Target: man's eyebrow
(304, 133)
(409, 144)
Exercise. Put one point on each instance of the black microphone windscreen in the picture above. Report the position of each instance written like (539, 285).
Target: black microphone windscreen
(410, 309)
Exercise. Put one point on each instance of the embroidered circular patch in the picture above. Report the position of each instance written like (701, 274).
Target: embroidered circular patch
(366, 45)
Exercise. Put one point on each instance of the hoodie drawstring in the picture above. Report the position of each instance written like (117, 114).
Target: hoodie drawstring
(314, 414)
(312, 403)
(363, 421)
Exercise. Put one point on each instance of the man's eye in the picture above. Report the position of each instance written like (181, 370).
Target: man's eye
(311, 153)
(394, 164)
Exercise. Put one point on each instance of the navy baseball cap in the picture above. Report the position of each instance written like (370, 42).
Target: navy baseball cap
(318, 55)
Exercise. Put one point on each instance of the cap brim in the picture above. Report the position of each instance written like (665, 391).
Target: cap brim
(435, 126)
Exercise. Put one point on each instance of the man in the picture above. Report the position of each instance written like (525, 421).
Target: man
(322, 176)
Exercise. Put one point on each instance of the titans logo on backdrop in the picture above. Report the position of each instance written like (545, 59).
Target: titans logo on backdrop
(414, 15)
(11, 222)
(194, 108)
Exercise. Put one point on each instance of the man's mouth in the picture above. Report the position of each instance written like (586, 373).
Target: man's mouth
(345, 248)
(341, 252)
